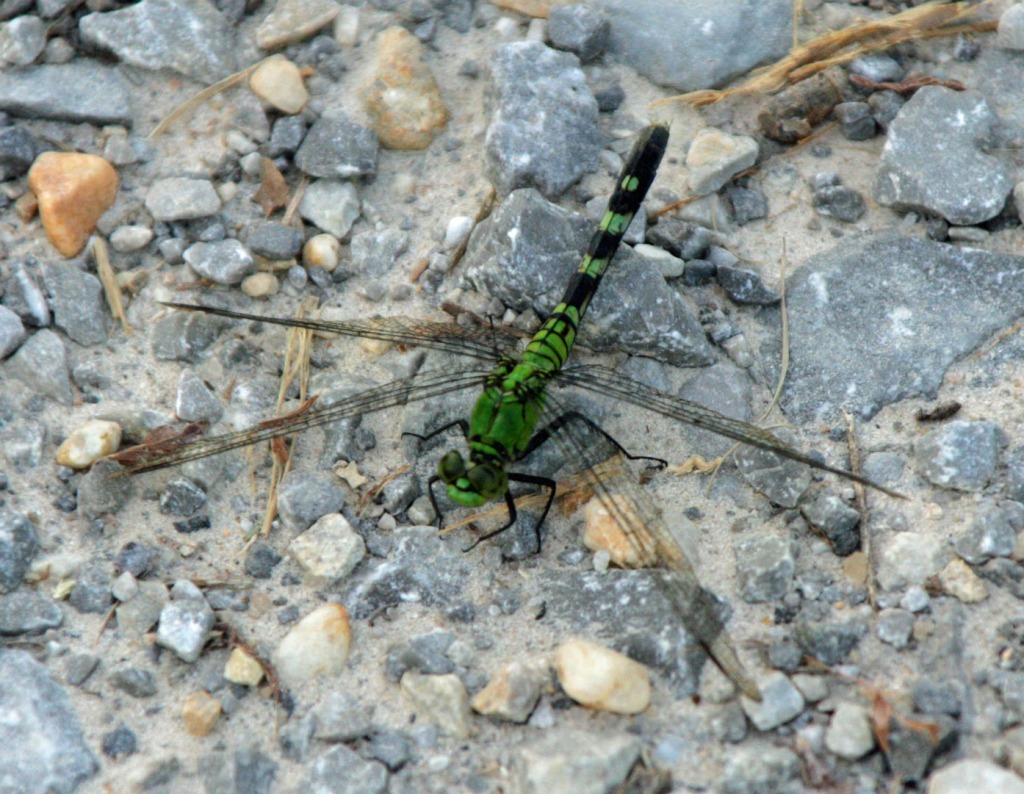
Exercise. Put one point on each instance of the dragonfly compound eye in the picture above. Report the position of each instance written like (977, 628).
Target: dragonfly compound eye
(488, 480)
(451, 467)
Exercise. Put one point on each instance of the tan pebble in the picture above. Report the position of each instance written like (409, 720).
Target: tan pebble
(442, 699)
(403, 100)
(89, 443)
(959, 581)
(602, 679)
(322, 250)
(316, 645)
(602, 532)
(200, 713)
(294, 20)
(328, 551)
(512, 692)
(260, 285)
(241, 668)
(346, 26)
(73, 190)
(278, 82)
(855, 567)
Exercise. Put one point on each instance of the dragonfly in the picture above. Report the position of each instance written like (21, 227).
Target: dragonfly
(516, 412)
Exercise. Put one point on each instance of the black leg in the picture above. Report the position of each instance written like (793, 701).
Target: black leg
(462, 424)
(433, 499)
(556, 424)
(529, 479)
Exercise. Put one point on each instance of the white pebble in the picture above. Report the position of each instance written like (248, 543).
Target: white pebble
(323, 250)
(602, 679)
(317, 645)
(346, 26)
(89, 443)
(278, 82)
(457, 231)
(126, 239)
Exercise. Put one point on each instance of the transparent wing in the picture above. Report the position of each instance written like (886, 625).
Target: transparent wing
(485, 344)
(606, 383)
(606, 470)
(421, 386)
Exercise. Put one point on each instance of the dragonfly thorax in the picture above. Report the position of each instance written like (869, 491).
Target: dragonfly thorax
(473, 486)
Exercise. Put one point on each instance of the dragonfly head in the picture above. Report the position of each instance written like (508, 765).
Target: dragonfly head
(471, 487)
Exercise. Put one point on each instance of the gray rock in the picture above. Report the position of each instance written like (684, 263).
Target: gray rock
(938, 695)
(18, 545)
(958, 180)
(840, 202)
(274, 240)
(286, 136)
(28, 612)
(992, 533)
(1010, 33)
(748, 203)
(836, 520)
(885, 107)
(895, 627)
(337, 147)
(849, 733)
(781, 480)
(244, 770)
(22, 39)
(745, 286)
(391, 749)
(24, 296)
(331, 205)
(530, 82)
(187, 36)
(341, 771)
(681, 238)
(961, 455)
(341, 717)
(374, 253)
(755, 768)
(830, 641)
(100, 492)
(877, 66)
(133, 681)
(119, 743)
(916, 599)
(780, 702)
(40, 731)
(909, 558)
(181, 497)
(79, 667)
(630, 310)
(77, 302)
(224, 262)
(260, 560)
(42, 363)
(571, 760)
(892, 296)
(726, 389)
(195, 402)
(17, 151)
(765, 568)
(423, 654)
(911, 749)
(855, 122)
(698, 44)
(580, 29)
(91, 592)
(303, 497)
(79, 92)
(182, 336)
(185, 625)
(180, 198)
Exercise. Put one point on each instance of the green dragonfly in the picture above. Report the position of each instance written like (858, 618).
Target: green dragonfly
(516, 412)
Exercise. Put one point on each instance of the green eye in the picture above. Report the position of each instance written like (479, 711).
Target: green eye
(487, 480)
(451, 467)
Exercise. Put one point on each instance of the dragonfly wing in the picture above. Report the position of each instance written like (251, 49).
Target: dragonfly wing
(607, 383)
(607, 472)
(421, 386)
(485, 344)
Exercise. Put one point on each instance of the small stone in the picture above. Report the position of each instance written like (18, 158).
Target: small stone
(745, 286)
(17, 151)
(328, 551)
(91, 592)
(93, 440)
(260, 285)
(849, 733)
(573, 760)
(304, 497)
(12, 332)
(958, 580)
(840, 202)
(261, 559)
(22, 39)
(960, 455)
(780, 702)
(991, 534)
(125, 587)
(182, 199)
(195, 402)
(1010, 31)
(242, 669)
(200, 713)
(342, 770)
(765, 567)
(338, 148)
(716, 157)
(134, 681)
(971, 776)
(579, 28)
(836, 520)
(128, 239)
(331, 205)
(185, 625)
(181, 497)
(602, 679)
(602, 532)
(292, 21)
(403, 99)
(316, 645)
(141, 613)
(323, 251)
(278, 82)
(895, 627)
(73, 190)
(909, 558)
(341, 717)
(512, 693)
(223, 262)
(442, 699)
(391, 749)
(119, 743)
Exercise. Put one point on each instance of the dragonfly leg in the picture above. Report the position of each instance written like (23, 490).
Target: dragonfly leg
(462, 424)
(568, 417)
(513, 514)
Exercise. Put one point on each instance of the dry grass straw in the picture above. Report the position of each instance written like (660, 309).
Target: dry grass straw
(192, 103)
(108, 279)
(840, 46)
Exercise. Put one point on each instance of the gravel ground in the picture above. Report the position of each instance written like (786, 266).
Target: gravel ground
(886, 638)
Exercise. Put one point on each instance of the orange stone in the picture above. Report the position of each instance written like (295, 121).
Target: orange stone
(73, 190)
